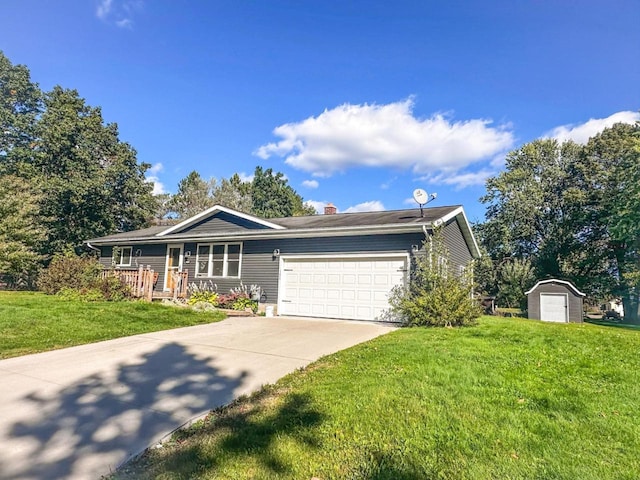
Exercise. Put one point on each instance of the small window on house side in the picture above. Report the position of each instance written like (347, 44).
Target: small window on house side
(124, 256)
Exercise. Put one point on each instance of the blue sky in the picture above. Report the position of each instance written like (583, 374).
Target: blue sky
(357, 103)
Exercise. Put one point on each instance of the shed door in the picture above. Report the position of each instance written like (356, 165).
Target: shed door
(553, 307)
(349, 288)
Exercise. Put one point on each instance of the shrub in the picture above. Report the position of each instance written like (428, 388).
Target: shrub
(202, 293)
(237, 301)
(435, 295)
(69, 271)
(78, 278)
(112, 288)
(81, 295)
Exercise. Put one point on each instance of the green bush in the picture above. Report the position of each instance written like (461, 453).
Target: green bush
(203, 293)
(435, 295)
(203, 296)
(78, 278)
(242, 303)
(112, 288)
(82, 295)
(69, 271)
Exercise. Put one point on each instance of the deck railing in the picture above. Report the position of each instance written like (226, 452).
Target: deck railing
(143, 280)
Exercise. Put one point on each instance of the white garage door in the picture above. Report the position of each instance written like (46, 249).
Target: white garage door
(351, 288)
(553, 308)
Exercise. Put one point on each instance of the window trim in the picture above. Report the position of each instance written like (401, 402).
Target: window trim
(225, 260)
(120, 252)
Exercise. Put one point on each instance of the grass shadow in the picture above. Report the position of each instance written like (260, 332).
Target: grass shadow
(605, 323)
(245, 431)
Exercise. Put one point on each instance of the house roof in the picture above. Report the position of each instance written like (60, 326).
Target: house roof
(389, 217)
(340, 224)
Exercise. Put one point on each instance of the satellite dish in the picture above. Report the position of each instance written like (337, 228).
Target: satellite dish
(420, 196)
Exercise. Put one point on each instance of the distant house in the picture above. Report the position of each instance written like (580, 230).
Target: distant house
(331, 265)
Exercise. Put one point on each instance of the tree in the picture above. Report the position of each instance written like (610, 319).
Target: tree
(20, 108)
(515, 278)
(531, 206)
(194, 196)
(92, 182)
(273, 197)
(609, 174)
(435, 295)
(572, 211)
(21, 235)
(233, 193)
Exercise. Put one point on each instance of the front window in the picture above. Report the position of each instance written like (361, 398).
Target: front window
(219, 260)
(122, 256)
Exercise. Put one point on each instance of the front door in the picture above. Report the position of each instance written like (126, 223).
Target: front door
(174, 264)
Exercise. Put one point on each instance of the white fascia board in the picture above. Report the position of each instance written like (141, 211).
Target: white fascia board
(275, 234)
(555, 280)
(215, 209)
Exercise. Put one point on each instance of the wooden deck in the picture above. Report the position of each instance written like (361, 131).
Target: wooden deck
(143, 282)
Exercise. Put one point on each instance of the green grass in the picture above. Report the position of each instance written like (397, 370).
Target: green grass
(508, 399)
(34, 322)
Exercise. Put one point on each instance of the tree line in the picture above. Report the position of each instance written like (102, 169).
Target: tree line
(267, 195)
(568, 211)
(65, 177)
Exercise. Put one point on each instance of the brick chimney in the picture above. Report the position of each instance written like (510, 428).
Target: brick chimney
(330, 209)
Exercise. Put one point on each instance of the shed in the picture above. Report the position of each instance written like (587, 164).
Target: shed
(555, 300)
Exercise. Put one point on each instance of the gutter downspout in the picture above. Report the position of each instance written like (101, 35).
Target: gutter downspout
(93, 248)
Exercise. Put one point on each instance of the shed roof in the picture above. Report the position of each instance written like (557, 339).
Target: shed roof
(562, 282)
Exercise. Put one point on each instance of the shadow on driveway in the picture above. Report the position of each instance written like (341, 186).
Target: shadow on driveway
(102, 420)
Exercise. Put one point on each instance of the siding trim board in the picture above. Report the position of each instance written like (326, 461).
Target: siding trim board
(211, 212)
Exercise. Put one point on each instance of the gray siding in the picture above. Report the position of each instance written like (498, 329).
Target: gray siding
(221, 222)
(575, 302)
(259, 267)
(150, 255)
(459, 253)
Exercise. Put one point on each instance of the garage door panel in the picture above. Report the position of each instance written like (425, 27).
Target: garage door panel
(348, 279)
(353, 288)
(364, 295)
(333, 294)
(348, 295)
(304, 293)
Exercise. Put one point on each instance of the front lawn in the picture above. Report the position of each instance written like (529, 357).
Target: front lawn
(508, 399)
(34, 322)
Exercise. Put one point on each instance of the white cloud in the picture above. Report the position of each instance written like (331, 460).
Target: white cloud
(318, 205)
(152, 176)
(104, 7)
(310, 184)
(462, 180)
(372, 206)
(124, 23)
(118, 12)
(385, 136)
(580, 133)
(246, 178)
(386, 185)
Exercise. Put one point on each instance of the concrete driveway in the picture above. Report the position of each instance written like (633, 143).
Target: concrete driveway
(82, 411)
